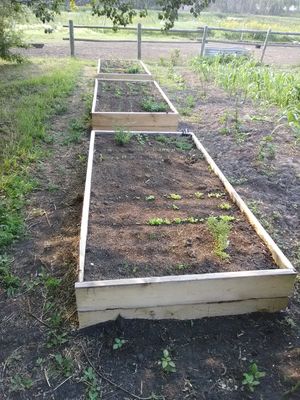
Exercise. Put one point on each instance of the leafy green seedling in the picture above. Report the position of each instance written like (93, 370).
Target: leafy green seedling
(20, 383)
(118, 343)
(183, 145)
(166, 362)
(134, 69)
(122, 137)
(225, 206)
(152, 105)
(174, 196)
(216, 195)
(150, 198)
(64, 365)
(199, 195)
(220, 231)
(175, 207)
(226, 218)
(252, 377)
(159, 221)
(93, 388)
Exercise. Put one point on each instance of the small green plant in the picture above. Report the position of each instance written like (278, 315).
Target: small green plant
(122, 137)
(266, 149)
(199, 195)
(118, 343)
(220, 230)
(227, 218)
(20, 383)
(10, 282)
(174, 207)
(174, 196)
(89, 378)
(182, 267)
(252, 377)
(163, 139)
(225, 206)
(56, 338)
(150, 198)
(174, 57)
(216, 195)
(63, 365)
(151, 105)
(158, 221)
(166, 362)
(183, 145)
(134, 69)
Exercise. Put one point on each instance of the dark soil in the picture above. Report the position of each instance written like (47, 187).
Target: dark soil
(123, 96)
(121, 244)
(120, 66)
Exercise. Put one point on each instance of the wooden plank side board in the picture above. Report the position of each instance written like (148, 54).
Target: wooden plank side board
(139, 121)
(182, 289)
(183, 296)
(184, 312)
(145, 75)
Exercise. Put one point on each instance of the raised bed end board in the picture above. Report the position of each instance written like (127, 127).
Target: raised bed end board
(144, 75)
(138, 121)
(183, 296)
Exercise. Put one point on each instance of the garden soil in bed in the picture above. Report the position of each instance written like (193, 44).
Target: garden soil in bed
(127, 96)
(121, 243)
(121, 66)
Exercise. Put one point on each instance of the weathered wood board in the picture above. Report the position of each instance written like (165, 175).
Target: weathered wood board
(138, 121)
(183, 296)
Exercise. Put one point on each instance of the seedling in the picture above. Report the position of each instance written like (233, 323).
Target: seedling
(174, 196)
(158, 221)
(134, 69)
(220, 230)
(163, 139)
(182, 267)
(227, 218)
(252, 377)
(216, 195)
(152, 105)
(266, 149)
(150, 198)
(183, 145)
(20, 383)
(93, 388)
(175, 207)
(122, 137)
(166, 362)
(10, 282)
(225, 206)
(199, 195)
(118, 343)
(64, 365)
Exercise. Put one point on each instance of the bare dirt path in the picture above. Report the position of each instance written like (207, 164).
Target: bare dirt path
(152, 51)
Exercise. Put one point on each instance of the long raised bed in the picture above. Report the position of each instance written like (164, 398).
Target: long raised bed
(123, 69)
(122, 105)
(132, 268)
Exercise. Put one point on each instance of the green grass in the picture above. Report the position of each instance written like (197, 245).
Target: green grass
(29, 97)
(246, 78)
(34, 30)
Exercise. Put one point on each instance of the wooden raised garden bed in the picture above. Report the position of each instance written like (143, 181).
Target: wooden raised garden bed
(165, 235)
(123, 69)
(132, 105)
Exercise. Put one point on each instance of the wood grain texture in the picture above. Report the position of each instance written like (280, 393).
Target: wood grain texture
(184, 312)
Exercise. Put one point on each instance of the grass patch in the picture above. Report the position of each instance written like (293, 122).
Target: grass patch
(27, 102)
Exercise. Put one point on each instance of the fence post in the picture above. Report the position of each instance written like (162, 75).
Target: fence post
(71, 37)
(139, 41)
(203, 40)
(265, 45)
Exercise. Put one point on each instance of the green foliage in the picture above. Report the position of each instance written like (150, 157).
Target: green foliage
(122, 137)
(166, 362)
(216, 195)
(64, 365)
(118, 343)
(134, 69)
(9, 281)
(20, 383)
(183, 145)
(151, 105)
(199, 195)
(220, 230)
(225, 206)
(150, 198)
(266, 150)
(158, 221)
(252, 377)
(93, 391)
(174, 196)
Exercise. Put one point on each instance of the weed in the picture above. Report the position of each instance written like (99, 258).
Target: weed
(174, 57)
(20, 383)
(134, 69)
(93, 389)
(163, 139)
(266, 149)
(56, 338)
(174, 207)
(166, 362)
(150, 198)
(220, 230)
(64, 365)
(118, 343)
(199, 195)
(183, 145)
(182, 267)
(151, 105)
(141, 139)
(252, 377)
(174, 196)
(10, 282)
(76, 128)
(225, 206)
(122, 137)
(226, 218)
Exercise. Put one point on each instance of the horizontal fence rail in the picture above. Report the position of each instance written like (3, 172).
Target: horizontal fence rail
(203, 40)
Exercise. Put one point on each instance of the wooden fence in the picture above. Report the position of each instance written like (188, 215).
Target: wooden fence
(203, 37)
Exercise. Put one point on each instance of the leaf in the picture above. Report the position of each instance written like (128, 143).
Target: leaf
(166, 353)
(164, 364)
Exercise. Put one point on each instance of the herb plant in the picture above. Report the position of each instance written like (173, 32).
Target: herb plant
(252, 377)
(166, 362)
(220, 230)
(122, 137)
